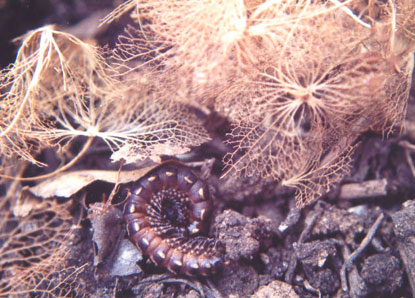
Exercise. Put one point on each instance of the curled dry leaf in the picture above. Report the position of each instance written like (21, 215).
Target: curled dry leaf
(66, 185)
(132, 153)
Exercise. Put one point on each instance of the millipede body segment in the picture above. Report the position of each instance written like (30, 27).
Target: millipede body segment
(166, 214)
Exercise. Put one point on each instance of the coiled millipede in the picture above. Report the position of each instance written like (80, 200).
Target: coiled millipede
(166, 214)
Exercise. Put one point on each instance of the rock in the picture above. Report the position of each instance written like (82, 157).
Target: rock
(315, 253)
(238, 279)
(404, 221)
(276, 262)
(314, 257)
(382, 272)
(275, 289)
(241, 235)
(334, 220)
(325, 280)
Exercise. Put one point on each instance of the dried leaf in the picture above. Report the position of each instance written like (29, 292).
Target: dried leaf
(132, 153)
(67, 184)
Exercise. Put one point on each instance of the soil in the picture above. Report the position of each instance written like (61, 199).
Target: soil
(340, 246)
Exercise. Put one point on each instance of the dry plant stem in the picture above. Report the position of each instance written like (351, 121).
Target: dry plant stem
(116, 187)
(393, 27)
(310, 288)
(114, 291)
(291, 268)
(60, 170)
(40, 66)
(101, 210)
(371, 9)
(343, 277)
(366, 241)
(119, 11)
(408, 146)
(366, 189)
(410, 129)
(410, 162)
(292, 218)
(12, 189)
(356, 288)
(305, 234)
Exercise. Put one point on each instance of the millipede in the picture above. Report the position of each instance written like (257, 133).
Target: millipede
(167, 215)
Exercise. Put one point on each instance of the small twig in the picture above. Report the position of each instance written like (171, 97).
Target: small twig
(80, 210)
(347, 266)
(311, 289)
(305, 234)
(116, 186)
(291, 268)
(410, 162)
(407, 145)
(12, 189)
(156, 278)
(366, 189)
(357, 285)
(42, 56)
(54, 173)
(343, 273)
(292, 218)
(114, 291)
(366, 241)
(393, 26)
(409, 126)
(194, 285)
